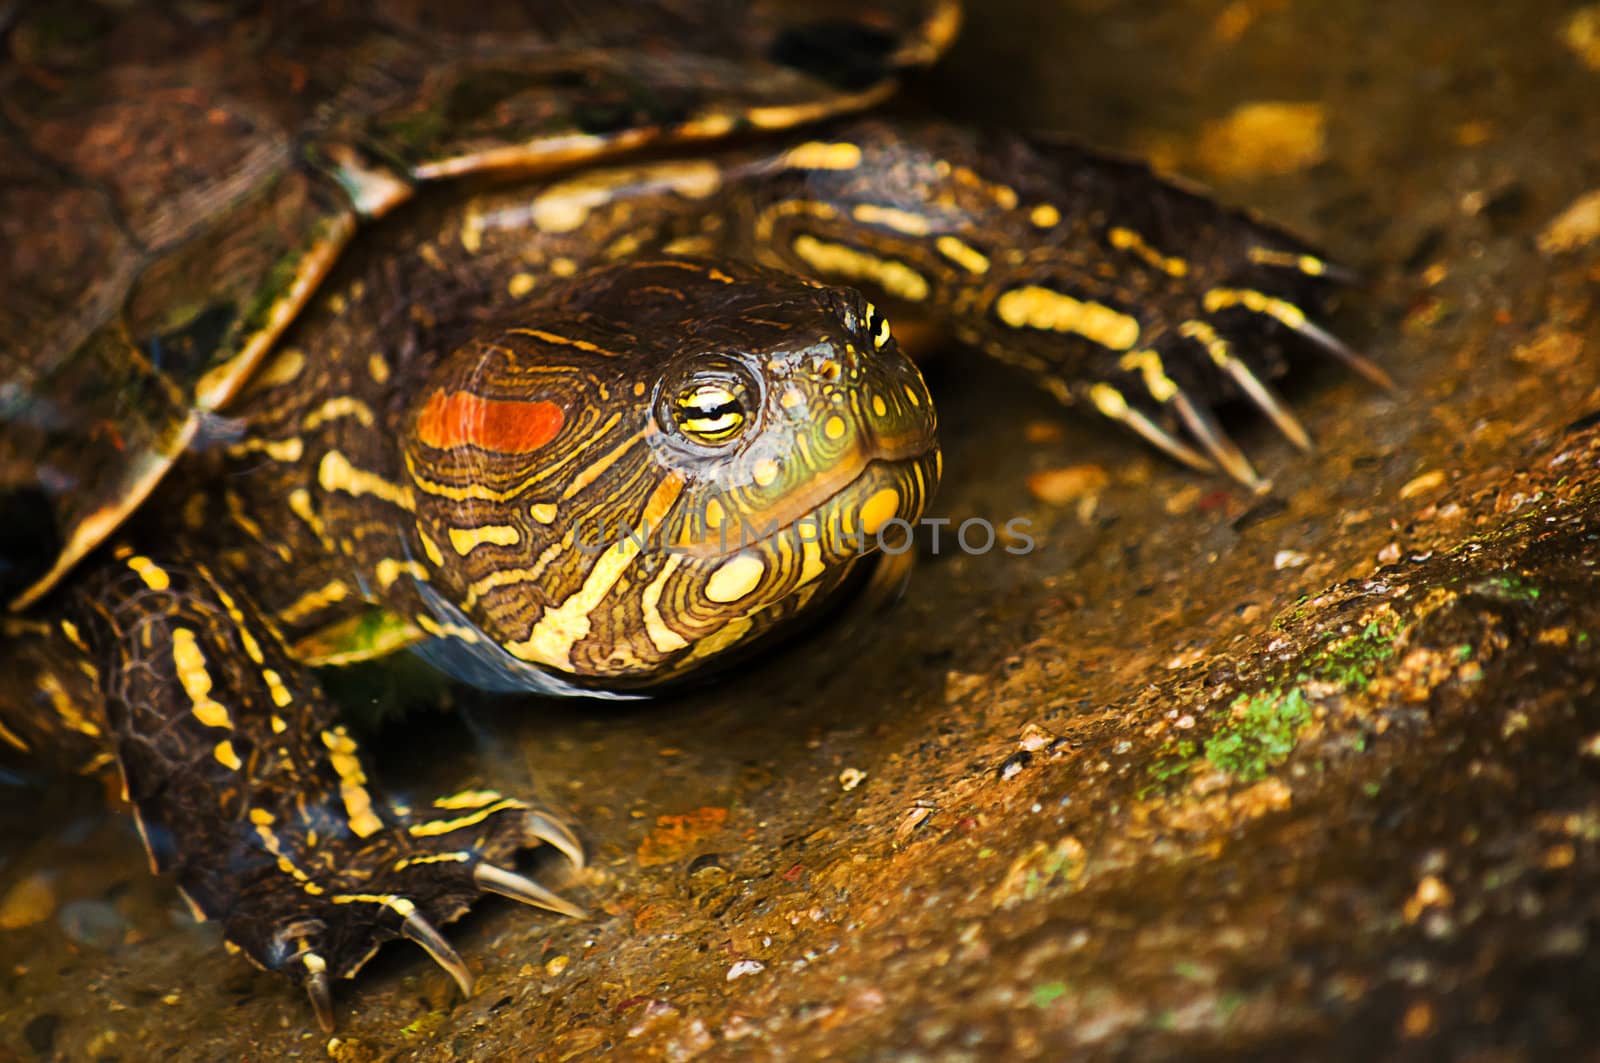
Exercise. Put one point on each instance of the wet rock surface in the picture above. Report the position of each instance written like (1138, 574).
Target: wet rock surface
(1206, 773)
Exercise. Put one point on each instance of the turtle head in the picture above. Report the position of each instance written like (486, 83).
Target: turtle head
(661, 462)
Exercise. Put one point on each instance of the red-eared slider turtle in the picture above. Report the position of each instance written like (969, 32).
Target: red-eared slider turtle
(262, 447)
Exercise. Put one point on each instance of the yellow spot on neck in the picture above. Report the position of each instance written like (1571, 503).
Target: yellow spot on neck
(281, 370)
(963, 254)
(190, 663)
(300, 506)
(389, 571)
(226, 756)
(520, 284)
(543, 512)
(153, 575)
(335, 473)
(352, 783)
(430, 548)
(817, 155)
(330, 594)
(69, 629)
(337, 407)
(901, 221)
(1045, 215)
(285, 450)
(378, 369)
(896, 278)
(834, 427)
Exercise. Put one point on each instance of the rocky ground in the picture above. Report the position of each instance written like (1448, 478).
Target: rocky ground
(1207, 774)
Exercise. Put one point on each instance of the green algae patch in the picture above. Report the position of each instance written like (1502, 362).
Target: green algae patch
(1506, 588)
(1264, 727)
(1048, 993)
(1173, 762)
(1353, 661)
(1261, 733)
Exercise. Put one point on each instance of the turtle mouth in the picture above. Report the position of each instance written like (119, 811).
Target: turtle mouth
(892, 479)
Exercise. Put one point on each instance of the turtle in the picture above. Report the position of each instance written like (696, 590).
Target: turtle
(550, 341)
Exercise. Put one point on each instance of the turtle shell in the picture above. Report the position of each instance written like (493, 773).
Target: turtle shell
(176, 179)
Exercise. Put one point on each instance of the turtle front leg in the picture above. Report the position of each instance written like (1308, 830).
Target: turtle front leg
(1118, 289)
(249, 790)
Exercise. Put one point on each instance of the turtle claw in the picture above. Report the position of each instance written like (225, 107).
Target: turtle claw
(520, 888)
(1344, 353)
(1111, 403)
(316, 983)
(419, 930)
(1221, 449)
(1268, 402)
(555, 833)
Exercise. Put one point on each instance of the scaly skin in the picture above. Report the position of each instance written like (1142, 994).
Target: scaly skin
(489, 375)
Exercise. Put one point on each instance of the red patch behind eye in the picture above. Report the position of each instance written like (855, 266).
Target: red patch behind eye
(506, 426)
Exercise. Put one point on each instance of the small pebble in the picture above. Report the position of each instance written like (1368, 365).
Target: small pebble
(31, 900)
(1426, 482)
(1581, 34)
(1574, 227)
(851, 778)
(1035, 738)
(744, 967)
(1057, 487)
(96, 924)
(1265, 138)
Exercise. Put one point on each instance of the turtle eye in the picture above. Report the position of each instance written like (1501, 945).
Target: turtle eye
(877, 327)
(710, 411)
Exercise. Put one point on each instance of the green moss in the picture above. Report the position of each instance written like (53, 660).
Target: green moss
(1352, 660)
(1227, 1004)
(1261, 733)
(1506, 588)
(1048, 993)
(1172, 762)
